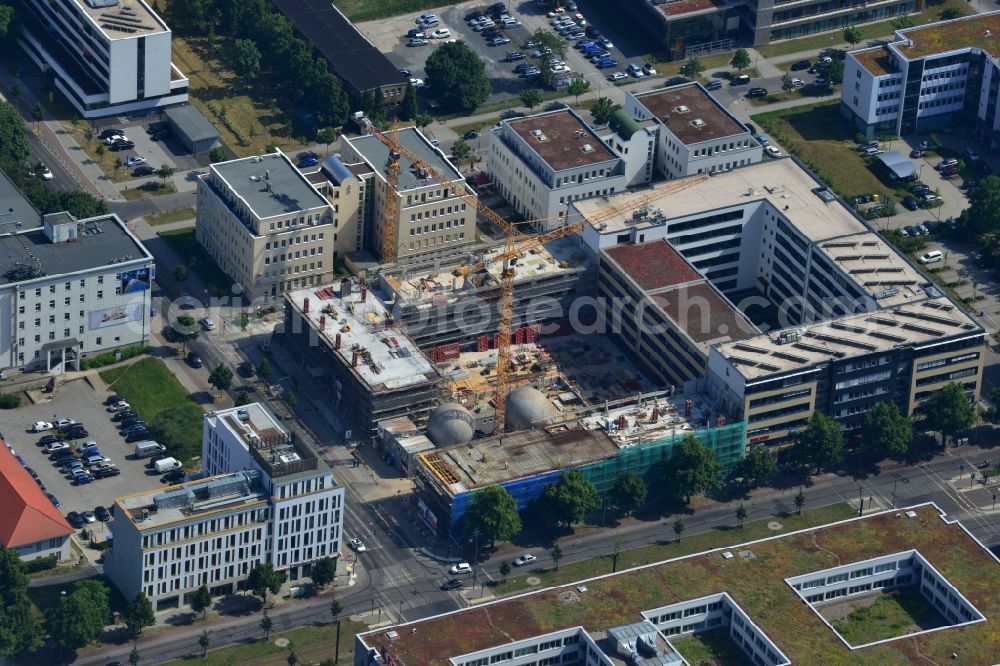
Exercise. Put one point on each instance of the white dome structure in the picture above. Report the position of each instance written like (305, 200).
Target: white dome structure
(449, 424)
(525, 408)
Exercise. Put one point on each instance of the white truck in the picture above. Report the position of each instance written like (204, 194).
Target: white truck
(166, 465)
(148, 449)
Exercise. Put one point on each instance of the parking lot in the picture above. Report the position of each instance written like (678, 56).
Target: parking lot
(78, 401)
(167, 150)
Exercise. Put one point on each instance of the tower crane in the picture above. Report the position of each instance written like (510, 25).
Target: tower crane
(388, 250)
(516, 245)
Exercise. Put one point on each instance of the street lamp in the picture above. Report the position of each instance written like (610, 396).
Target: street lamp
(895, 479)
(861, 501)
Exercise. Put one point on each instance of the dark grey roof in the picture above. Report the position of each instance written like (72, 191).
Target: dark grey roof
(376, 154)
(190, 121)
(351, 57)
(289, 190)
(101, 241)
(15, 207)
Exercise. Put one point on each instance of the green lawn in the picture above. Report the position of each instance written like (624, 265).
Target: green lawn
(893, 614)
(711, 648)
(669, 548)
(820, 137)
(170, 216)
(174, 419)
(148, 189)
(311, 644)
(868, 32)
(184, 243)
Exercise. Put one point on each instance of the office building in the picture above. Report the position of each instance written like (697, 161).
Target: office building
(927, 78)
(432, 222)
(695, 134)
(30, 525)
(351, 57)
(108, 57)
(70, 289)
(796, 289)
(772, 602)
(541, 163)
(265, 498)
(267, 226)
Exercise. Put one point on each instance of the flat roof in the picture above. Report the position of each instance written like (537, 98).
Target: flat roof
(784, 183)
(680, 107)
(684, 7)
(387, 358)
(121, 19)
(979, 31)
(876, 267)
(192, 122)
(160, 507)
(654, 265)
(16, 212)
(876, 60)
(349, 53)
(562, 139)
(270, 185)
(923, 322)
(704, 314)
(376, 154)
(101, 241)
(248, 422)
(636, 423)
(756, 582)
(492, 460)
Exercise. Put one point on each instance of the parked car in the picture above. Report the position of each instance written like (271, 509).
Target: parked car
(607, 63)
(207, 324)
(499, 40)
(871, 152)
(606, 43)
(41, 426)
(916, 152)
(648, 69)
(800, 65)
(124, 414)
(52, 447)
(971, 154)
(75, 519)
(415, 32)
(53, 499)
(617, 76)
(715, 84)
(89, 516)
(194, 360)
(115, 138)
(634, 70)
(514, 55)
(137, 436)
(762, 139)
(358, 545)
(44, 172)
(119, 146)
(308, 161)
(102, 514)
(741, 80)
(105, 472)
(127, 430)
(48, 439)
(110, 132)
(574, 35)
(130, 421)
(418, 41)
(470, 135)
(772, 152)
(909, 203)
(460, 568)
(440, 33)
(944, 164)
(118, 407)
(82, 478)
(524, 558)
(756, 92)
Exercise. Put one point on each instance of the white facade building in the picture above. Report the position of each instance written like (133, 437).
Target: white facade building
(109, 57)
(542, 163)
(71, 289)
(265, 498)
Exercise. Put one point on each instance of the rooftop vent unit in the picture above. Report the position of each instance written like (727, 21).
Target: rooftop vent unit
(697, 123)
(587, 148)
(681, 109)
(580, 134)
(786, 337)
(539, 134)
(885, 293)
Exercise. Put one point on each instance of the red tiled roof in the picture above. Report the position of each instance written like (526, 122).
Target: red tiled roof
(653, 265)
(27, 516)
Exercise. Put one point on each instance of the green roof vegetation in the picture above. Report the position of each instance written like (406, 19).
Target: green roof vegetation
(971, 32)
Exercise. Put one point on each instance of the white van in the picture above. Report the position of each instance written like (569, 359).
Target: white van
(931, 257)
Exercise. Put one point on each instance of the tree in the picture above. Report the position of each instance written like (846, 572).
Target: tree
(88, 135)
(323, 571)
(628, 493)
(556, 555)
(217, 154)
(741, 514)
(335, 610)
(180, 273)
(800, 501)
(820, 443)
(326, 136)
(741, 59)
(949, 411)
(118, 165)
(264, 370)
(458, 76)
(494, 513)
(603, 109)
(902, 23)
(139, 614)
(15, 90)
(37, 114)
(6, 18)
(424, 119)
(786, 83)
(203, 641)
(222, 377)
(100, 152)
(504, 570)
(266, 623)
(263, 579)
(692, 469)
(570, 499)
(530, 97)
(186, 328)
(886, 431)
(578, 87)
(692, 69)
(20, 630)
(408, 110)
(983, 213)
(292, 658)
(133, 656)
(993, 413)
(550, 47)
(245, 60)
(757, 466)
(80, 616)
(291, 399)
(202, 601)
(852, 35)
(164, 172)
(460, 149)
(949, 13)
(835, 72)
(14, 147)
(243, 398)
(679, 528)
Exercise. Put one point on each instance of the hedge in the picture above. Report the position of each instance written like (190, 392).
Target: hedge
(112, 357)
(41, 564)
(10, 401)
